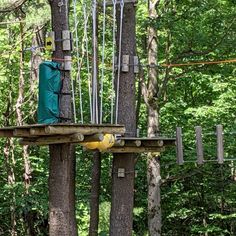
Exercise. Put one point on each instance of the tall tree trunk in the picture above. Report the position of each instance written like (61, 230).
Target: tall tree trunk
(19, 119)
(9, 159)
(121, 218)
(96, 169)
(10, 163)
(94, 197)
(153, 169)
(62, 156)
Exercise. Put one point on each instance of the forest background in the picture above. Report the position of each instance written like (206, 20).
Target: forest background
(195, 200)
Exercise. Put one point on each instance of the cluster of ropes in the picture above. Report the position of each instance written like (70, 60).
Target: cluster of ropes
(95, 84)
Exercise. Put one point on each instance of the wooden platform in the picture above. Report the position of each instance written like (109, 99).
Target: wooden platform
(59, 133)
(141, 145)
(76, 133)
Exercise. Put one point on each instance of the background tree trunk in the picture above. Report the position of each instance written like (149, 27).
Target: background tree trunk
(62, 157)
(153, 169)
(121, 218)
(96, 169)
(94, 197)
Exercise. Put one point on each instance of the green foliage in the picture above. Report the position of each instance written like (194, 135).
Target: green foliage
(195, 200)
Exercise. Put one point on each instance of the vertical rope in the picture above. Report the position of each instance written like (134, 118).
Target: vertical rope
(119, 59)
(87, 59)
(113, 59)
(95, 97)
(77, 57)
(103, 57)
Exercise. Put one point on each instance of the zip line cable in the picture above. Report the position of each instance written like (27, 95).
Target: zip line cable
(103, 58)
(119, 59)
(77, 55)
(113, 59)
(199, 63)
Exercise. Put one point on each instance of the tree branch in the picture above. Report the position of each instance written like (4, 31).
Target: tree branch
(12, 5)
(190, 52)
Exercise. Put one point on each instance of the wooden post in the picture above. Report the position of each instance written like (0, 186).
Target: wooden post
(179, 146)
(220, 147)
(199, 145)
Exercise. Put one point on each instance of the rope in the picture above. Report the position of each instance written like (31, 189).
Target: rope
(199, 63)
(113, 59)
(119, 58)
(103, 57)
(95, 100)
(87, 59)
(78, 66)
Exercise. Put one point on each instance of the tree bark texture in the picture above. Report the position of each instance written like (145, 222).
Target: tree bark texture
(8, 154)
(121, 218)
(96, 169)
(153, 169)
(94, 197)
(62, 157)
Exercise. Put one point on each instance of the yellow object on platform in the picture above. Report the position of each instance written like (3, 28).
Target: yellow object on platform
(107, 142)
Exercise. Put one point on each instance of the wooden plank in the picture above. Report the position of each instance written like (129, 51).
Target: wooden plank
(75, 138)
(220, 147)
(199, 145)
(6, 133)
(84, 130)
(179, 146)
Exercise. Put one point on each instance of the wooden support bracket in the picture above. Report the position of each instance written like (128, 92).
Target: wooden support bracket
(66, 43)
(136, 65)
(121, 172)
(125, 63)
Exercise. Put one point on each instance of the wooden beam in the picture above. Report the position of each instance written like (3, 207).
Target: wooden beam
(127, 149)
(220, 146)
(132, 143)
(6, 133)
(152, 143)
(37, 131)
(199, 145)
(179, 146)
(84, 130)
(75, 138)
(93, 138)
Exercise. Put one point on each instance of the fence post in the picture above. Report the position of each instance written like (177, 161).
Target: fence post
(179, 146)
(220, 147)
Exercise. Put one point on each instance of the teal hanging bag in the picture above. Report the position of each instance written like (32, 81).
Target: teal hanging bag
(49, 89)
